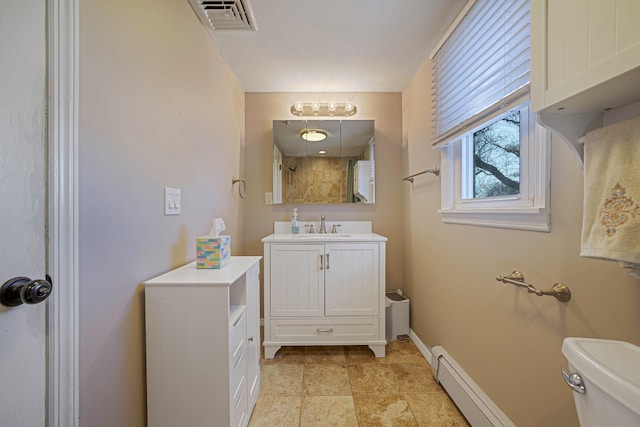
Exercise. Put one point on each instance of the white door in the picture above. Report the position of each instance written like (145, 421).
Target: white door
(22, 207)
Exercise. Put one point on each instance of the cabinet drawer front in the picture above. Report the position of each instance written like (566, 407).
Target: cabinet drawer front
(237, 336)
(238, 364)
(239, 405)
(320, 329)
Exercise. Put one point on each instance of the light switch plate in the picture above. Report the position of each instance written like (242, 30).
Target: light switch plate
(172, 201)
(268, 198)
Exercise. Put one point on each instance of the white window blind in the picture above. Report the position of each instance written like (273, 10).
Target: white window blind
(483, 67)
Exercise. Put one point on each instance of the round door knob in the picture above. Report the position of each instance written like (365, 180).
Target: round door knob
(35, 291)
(22, 290)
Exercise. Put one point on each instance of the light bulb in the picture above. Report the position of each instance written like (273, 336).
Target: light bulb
(298, 106)
(315, 106)
(348, 106)
(332, 106)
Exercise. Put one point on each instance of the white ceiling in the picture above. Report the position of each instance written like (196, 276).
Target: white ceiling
(335, 45)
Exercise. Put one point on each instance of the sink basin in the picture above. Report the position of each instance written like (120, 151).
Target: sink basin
(322, 236)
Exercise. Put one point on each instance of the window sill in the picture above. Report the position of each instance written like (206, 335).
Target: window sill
(532, 219)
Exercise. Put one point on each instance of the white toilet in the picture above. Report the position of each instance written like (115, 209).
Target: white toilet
(609, 374)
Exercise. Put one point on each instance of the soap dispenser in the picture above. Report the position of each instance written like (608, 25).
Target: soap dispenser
(295, 227)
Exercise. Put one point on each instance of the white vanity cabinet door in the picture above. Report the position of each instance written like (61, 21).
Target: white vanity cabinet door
(352, 279)
(297, 280)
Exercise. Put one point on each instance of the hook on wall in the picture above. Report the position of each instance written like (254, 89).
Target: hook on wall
(242, 187)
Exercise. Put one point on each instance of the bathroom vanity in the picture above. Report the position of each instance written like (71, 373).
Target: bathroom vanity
(203, 345)
(324, 289)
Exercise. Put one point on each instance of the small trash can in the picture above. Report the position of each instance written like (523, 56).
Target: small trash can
(397, 317)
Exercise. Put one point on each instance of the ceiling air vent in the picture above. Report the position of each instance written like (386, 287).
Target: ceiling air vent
(221, 15)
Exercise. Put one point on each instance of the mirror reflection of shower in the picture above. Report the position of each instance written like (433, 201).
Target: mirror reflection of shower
(292, 166)
(306, 172)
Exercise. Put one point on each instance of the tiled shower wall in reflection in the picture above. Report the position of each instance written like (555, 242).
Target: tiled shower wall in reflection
(314, 180)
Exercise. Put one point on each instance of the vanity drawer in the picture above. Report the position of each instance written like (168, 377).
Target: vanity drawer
(345, 329)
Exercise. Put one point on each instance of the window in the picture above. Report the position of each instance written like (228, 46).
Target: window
(497, 174)
(494, 155)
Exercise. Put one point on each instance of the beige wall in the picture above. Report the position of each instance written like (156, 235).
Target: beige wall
(386, 215)
(507, 340)
(158, 107)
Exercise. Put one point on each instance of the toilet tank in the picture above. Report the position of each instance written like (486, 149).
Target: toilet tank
(610, 372)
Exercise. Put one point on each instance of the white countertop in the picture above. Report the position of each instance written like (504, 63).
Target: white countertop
(349, 231)
(190, 275)
(325, 237)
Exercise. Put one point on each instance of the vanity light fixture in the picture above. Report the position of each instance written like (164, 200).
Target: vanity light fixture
(324, 109)
(313, 135)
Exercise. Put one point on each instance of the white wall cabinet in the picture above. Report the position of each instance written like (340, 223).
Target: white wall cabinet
(580, 44)
(324, 293)
(203, 345)
(585, 59)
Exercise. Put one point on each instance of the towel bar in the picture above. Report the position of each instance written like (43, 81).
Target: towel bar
(435, 171)
(559, 290)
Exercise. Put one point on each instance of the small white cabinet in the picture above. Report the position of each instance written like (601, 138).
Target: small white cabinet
(203, 345)
(580, 48)
(324, 292)
(585, 61)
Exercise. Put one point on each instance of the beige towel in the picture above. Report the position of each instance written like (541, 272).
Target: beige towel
(611, 218)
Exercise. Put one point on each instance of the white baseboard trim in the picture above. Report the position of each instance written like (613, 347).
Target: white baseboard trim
(424, 349)
(474, 404)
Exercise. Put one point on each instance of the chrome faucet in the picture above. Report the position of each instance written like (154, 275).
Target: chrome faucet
(323, 227)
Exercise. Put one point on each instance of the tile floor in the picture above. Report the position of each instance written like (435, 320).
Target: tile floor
(348, 386)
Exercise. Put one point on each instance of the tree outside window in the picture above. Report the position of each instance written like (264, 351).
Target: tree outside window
(496, 158)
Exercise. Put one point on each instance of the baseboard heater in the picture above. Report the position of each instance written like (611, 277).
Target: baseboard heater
(474, 404)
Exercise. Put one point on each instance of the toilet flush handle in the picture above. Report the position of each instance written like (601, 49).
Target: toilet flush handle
(574, 381)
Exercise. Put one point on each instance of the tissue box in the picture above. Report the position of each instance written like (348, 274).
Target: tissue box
(213, 252)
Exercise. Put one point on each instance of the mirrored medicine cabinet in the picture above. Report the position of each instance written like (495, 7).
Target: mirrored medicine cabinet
(323, 161)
